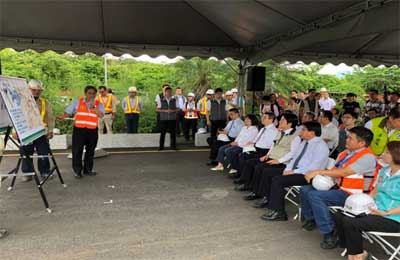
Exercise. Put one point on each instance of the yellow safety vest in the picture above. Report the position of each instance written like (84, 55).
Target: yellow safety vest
(203, 110)
(43, 110)
(129, 109)
(107, 106)
(381, 138)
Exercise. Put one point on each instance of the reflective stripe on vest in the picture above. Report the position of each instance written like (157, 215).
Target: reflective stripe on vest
(129, 109)
(43, 110)
(85, 117)
(190, 114)
(203, 110)
(107, 105)
(381, 138)
(353, 183)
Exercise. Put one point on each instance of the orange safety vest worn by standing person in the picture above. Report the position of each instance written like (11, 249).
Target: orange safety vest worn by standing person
(85, 117)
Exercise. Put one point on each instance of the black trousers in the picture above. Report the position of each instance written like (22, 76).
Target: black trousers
(349, 230)
(246, 175)
(83, 138)
(179, 122)
(132, 123)
(215, 125)
(42, 148)
(215, 145)
(189, 124)
(276, 198)
(243, 157)
(170, 126)
(262, 178)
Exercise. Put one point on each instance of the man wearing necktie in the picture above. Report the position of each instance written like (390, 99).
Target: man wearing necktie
(312, 154)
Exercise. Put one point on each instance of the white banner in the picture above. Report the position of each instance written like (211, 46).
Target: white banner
(22, 108)
(4, 118)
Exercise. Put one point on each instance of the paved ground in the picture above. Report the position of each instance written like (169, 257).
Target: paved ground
(164, 206)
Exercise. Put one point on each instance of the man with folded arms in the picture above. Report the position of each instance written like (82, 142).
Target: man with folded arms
(312, 154)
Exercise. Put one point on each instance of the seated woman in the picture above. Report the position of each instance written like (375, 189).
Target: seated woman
(386, 218)
(246, 135)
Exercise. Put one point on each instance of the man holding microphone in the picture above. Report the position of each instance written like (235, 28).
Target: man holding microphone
(87, 112)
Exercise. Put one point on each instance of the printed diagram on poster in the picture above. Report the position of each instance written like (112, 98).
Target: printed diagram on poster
(5, 120)
(21, 108)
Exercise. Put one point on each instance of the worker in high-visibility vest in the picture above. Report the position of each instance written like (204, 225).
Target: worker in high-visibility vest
(110, 109)
(385, 129)
(87, 112)
(202, 107)
(191, 115)
(132, 106)
(41, 145)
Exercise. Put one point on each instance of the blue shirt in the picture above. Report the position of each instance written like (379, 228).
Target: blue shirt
(388, 195)
(234, 127)
(71, 109)
(315, 156)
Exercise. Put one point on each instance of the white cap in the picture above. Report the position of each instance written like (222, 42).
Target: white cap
(323, 90)
(210, 92)
(191, 94)
(35, 84)
(234, 90)
(228, 93)
(132, 89)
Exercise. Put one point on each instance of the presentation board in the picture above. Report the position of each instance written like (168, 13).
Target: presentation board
(21, 108)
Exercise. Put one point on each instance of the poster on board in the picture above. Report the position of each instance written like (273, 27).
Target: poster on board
(22, 109)
(5, 121)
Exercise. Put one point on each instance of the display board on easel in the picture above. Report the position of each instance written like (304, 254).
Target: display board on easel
(20, 109)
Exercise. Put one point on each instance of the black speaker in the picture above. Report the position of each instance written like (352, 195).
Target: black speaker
(256, 78)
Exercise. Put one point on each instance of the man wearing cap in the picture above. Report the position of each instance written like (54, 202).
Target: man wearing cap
(167, 107)
(229, 100)
(238, 102)
(110, 109)
(41, 145)
(325, 102)
(191, 115)
(132, 106)
(202, 107)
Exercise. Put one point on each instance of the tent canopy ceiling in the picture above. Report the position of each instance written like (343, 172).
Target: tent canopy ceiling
(351, 31)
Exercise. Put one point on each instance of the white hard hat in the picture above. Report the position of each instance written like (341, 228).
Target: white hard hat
(228, 93)
(323, 90)
(223, 138)
(210, 92)
(321, 182)
(132, 89)
(56, 131)
(358, 204)
(234, 90)
(191, 94)
(35, 84)
(202, 131)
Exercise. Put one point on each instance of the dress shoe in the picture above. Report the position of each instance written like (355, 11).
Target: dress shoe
(276, 215)
(77, 175)
(262, 203)
(330, 241)
(161, 148)
(309, 225)
(241, 187)
(251, 196)
(233, 175)
(92, 173)
(238, 181)
(26, 178)
(232, 171)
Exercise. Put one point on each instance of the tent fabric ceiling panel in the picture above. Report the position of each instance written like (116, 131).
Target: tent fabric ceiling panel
(361, 31)
(246, 21)
(58, 20)
(171, 23)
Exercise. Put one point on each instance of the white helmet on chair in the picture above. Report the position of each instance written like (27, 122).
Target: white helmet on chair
(223, 138)
(322, 182)
(202, 131)
(358, 204)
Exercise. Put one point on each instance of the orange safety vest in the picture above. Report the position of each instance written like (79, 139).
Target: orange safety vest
(129, 109)
(43, 110)
(108, 104)
(354, 183)
(203, 110)
(85, 117)
(192, 114)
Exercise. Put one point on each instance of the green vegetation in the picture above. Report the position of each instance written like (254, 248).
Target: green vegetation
(64, 77)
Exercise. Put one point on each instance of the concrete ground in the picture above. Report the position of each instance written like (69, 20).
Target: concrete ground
(165, 205)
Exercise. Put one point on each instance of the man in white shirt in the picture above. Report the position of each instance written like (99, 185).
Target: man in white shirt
(330, 133)
(180, 103)
(325, 102)
(312, 154)
(262, 143)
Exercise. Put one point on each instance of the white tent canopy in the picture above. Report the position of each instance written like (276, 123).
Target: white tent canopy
(349, 31)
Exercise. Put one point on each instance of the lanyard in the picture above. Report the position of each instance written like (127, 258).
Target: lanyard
(340, 163)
